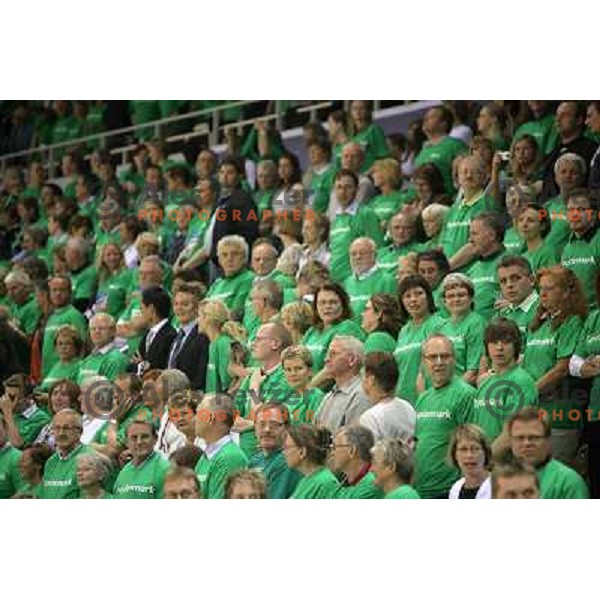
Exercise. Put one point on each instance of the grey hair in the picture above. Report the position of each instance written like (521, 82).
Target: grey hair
(438, 336)
(396, 453)
(361, 438)
(572, 158)
(268, 164)
(80, 244)
(458, 280)
(355, 145)
(352, 345)
(70, 411)
(20, 277)
(366, 240)
(289, 261)
(476, 162)
(272, 291)
(106, 316)
(234, 240)
(175, 380)
(435, 211)
(102, 464)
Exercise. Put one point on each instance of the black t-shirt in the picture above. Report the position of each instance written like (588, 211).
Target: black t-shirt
(468, 493)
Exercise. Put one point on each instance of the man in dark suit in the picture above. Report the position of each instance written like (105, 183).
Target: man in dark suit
(189, 350)
(236, 212)
(156, 343)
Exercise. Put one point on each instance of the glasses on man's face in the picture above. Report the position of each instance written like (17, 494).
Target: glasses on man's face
(438, 357)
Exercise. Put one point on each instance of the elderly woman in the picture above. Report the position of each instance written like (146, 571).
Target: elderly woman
(432, 220)
(533, 225)
(297, 317)
(246, 484)
(235, 284)
(69, 348)
(332, 316)
(315, 231)
(470, 452)
(306, 448)
(402, 231)
(551, 341)
(393, 467)
(387, 176)
(381, 321)
(93, 472)
(464, 327)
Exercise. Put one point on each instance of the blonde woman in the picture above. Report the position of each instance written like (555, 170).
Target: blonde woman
(114, 281)
(297, 318)
(224, 335)
(470, 452)
(387, 176)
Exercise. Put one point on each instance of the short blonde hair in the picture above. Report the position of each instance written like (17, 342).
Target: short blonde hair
(234, 240)
(300, 314)
(391, 170)
(301, 352)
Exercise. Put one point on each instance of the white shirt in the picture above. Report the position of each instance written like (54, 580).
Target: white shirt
(152, 333)
(212, 449)
(483, 493)
(131, 256)
(169, 437)
(186, 332)
(393, 417)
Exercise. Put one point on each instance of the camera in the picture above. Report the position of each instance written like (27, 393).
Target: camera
(504, 156)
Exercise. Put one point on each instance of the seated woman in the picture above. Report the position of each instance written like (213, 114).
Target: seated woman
(63, 394)
(471, 452)
(297, 366)
(246, 484)
(315, 232)
(114, 281)
(297, 317)
(534, 225)
(381, 321)
(93, 472)
(69, 348)
(432, 220)
(393, 467)
(31, 465)
(306, 448)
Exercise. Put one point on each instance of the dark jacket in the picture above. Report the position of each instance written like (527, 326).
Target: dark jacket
(158, 353)
(192, 359)
(244, 222)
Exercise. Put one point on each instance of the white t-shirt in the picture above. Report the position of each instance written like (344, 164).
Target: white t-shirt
(393, 418)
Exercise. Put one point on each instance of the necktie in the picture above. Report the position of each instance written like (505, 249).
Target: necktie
(176, 347)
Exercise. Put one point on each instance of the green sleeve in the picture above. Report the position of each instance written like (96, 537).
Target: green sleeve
(366, 224)
(162, 471)
(29, 428)
(475, 346)
(378, 143)
(222, 468)
(116, 365)
(568, 336)
(223, 357)
(465, 408)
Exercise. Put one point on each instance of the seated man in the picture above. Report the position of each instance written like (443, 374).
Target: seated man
(351, 455)
(155, 346)
(143, 477)
(60, 471)
(389, 417)
(529, 435)
(182, 484)
(515, 481)
(367, 278)
(22, 417)
(83, 275)
(347, 401)
(105, 357)
(270, 421)
(222, 456)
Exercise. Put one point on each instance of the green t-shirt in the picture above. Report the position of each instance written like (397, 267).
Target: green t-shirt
(345, 228)
(543, 256)
(466, 335)
(144, 481)
(10, 474)
(544, 348)
(361, 289)
(582, 256)
(137, 413)
(281, 480)
(84, 283)
(302, 408)
(589, 345)
(263, 200)
(113, 290)
(60, 371)
(30, 422)
(320, 485)
(456, 230)
(403, 492)
(439, 412)
(68, 315)
(318, 341)
(523, 314)
(320, 187)
(483, 274)
(363, 490)
(372, 140)
(60, 475)
(544, 132)
(500, 397)
(513, 242)
(387, 257)
(379, 341)
(408, 354)
(217, 378)
(109, 364)
(557, 481)
(232, 291)
(559, 230)
(385, 206)
(27, 314)
(213, 472)
(442, 154)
